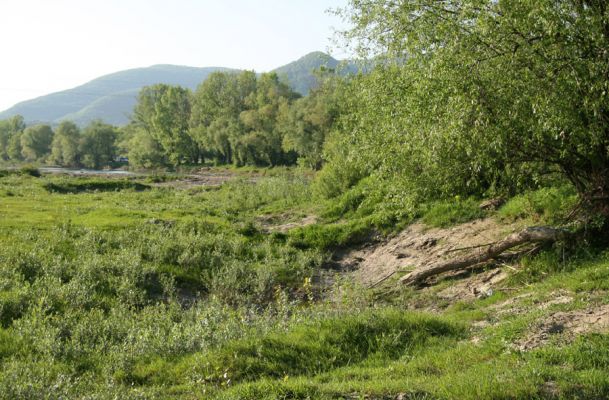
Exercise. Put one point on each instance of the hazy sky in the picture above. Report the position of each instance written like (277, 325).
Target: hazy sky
(51, 45)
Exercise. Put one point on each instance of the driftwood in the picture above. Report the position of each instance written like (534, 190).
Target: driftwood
(535, 234)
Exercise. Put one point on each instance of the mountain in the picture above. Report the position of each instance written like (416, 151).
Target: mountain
(112, 97)
(300, 75)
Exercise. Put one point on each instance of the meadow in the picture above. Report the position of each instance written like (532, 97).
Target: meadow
(122, 288)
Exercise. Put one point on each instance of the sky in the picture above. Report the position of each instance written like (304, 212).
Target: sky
(52, 45)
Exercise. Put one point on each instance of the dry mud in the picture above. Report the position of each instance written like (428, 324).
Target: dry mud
(418, 246)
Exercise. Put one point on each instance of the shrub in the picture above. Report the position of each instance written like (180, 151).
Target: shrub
(93, 185)
(30, 170)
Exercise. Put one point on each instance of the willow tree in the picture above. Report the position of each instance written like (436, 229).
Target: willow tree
(97, 146)
(163, 112)
(484, 87)
(36, 142)
(306, 122)
(217, 103)
(64, 148)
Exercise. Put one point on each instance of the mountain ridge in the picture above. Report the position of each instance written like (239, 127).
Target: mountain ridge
(111, 97)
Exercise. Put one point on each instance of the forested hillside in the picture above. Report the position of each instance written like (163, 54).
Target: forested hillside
(436, 228)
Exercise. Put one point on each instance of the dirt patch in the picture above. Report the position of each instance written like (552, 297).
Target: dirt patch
(190, 181)
(418, 246)
(566, 325)
(476, 286)
(208, 177)
(516, 305)
(284, 222)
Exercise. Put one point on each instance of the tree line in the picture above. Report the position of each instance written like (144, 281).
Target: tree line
(66, 145)
(231, 118)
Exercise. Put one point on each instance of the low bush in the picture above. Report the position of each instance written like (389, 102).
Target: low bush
(30, 170)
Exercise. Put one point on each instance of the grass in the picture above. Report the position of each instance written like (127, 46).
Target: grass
(108, 291)
(451, 212)
(547, 205)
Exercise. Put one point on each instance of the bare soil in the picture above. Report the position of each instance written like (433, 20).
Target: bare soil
(566, 326)
(419, 245)
(202, 178)
(475, 286)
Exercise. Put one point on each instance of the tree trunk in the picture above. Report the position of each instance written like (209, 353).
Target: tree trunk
(528, 235)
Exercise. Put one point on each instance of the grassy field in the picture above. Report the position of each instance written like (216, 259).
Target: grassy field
(117, 288)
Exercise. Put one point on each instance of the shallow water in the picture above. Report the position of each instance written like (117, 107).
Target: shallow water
(76, 171)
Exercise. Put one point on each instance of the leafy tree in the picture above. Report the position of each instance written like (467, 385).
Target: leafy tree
(9, 128)
(36, 142)
(221, 136)
(13, 147)
(163, 111)
(262, 141)
(64, 148)
(217, 103)
(16, 123)
(142, 150)
(483, 93)
(5, 135)
(97, 147)
(307, 122)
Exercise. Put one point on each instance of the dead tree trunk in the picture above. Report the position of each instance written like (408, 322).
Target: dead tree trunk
(534, 234)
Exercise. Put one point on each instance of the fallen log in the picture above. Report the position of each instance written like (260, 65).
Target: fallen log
(535, 234)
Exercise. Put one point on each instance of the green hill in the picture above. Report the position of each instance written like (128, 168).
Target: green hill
(112, 97)
(300, 72)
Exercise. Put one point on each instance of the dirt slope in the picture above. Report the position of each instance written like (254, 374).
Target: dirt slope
(419, 245)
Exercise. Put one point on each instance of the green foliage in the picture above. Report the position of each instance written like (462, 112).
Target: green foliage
(142, 149)
(311, 349)
(64, 148)
(36, 142)
(13, 147)
(10, 131)
(93, 185)
(30, 170)
(172, 293)
(451, 212)
(97, 147)
(476, 97)
(236, 118)
(550, 205)
(231, 118)
(163, 112)
(309, 120)
(331, 236)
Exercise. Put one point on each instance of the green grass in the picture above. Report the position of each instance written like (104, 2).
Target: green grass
(108, 291)
(547, 205)
(446, 213)
(305, 350)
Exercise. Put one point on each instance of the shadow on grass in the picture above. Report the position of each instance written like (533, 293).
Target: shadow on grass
(94, 186)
